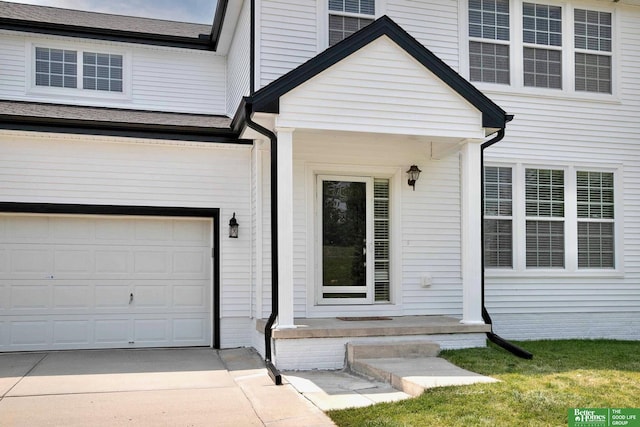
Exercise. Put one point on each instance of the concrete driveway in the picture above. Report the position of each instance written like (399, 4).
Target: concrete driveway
(157, 387)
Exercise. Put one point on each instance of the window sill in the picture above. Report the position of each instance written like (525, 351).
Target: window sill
(543, 93)
(550, 274)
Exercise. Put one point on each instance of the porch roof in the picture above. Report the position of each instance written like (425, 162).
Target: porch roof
(267, 99)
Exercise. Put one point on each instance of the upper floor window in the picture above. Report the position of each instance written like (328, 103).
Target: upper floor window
(538, 43)
(489, 41)
(542, 45)
(593, 50)
(56, 67)
(348, 16)
(102, 71)
(60, 68)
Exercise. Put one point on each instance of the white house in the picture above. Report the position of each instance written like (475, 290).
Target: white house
(127, 145)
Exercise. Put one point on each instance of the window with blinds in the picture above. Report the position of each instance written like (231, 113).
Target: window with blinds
(593, 43)
(489, 41)
(544, 205)
(498, 211)
(595, 219)
(382, 278)
(348, 16)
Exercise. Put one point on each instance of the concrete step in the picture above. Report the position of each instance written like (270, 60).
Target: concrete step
(386, 349)
(414, 375)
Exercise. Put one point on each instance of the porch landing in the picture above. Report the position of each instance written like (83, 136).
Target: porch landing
(374, 327)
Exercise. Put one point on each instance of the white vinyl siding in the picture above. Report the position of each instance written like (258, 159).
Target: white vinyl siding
(238, 61)
(154, 78)
(289, 37)
(434, 24)
(84, 170)
(340, 99)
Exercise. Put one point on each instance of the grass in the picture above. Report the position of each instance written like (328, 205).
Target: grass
(538, 392)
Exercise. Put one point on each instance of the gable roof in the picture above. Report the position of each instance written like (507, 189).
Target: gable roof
(267, 99)
(77, 23)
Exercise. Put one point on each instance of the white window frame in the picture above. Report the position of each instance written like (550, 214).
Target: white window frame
(78, 92)
(568, 52)
(323, 19)
(314, 279)
(570, 220)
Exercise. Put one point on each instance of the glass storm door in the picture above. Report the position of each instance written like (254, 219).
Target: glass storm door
(345, 239)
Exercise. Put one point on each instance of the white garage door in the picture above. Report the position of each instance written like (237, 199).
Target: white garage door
(71, 282)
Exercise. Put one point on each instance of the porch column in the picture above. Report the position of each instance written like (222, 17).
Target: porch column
(285, 227)
(471, 234)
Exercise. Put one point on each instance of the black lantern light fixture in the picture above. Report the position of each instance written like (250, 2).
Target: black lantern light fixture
(233, 227)
(413, 174)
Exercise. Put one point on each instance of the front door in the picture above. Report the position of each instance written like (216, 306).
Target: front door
(345, 239)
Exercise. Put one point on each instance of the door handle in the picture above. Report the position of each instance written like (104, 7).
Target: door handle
(130, 298)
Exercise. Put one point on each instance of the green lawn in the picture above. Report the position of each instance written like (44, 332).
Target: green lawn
(537, 392)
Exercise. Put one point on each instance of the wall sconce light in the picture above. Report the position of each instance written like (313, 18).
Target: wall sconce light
(233, 227)
(413, 174)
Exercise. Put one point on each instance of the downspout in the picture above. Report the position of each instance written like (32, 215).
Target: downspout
(272, 370)
(494, 338)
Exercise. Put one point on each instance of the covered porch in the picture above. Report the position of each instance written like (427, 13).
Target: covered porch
(339, 125)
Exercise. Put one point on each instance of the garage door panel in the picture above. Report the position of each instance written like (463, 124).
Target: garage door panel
(72, 261)
(189, 330)
(149, 295)
(72, 296)
(29, 333)
(111, 295)
(66, 282)
(112, 262)
(192, 263)
(29, 296)
(27, 229)
(146, 262)
(114, 231)
(191, 232)
(76, 332)
(151, 331)
(30, 261)
(65, 229)
(157, 231)
(112, 331)
(190, 296)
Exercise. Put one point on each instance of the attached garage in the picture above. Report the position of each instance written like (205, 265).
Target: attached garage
(115, 280)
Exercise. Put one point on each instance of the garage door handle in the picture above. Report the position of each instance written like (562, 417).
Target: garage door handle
(130, 298)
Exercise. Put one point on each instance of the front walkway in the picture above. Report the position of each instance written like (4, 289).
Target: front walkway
(159, 387)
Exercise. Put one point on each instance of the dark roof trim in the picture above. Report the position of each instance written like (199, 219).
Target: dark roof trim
(267, 99)
(127, 130)
(201, 43)
(63, 208)
(218, 20)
